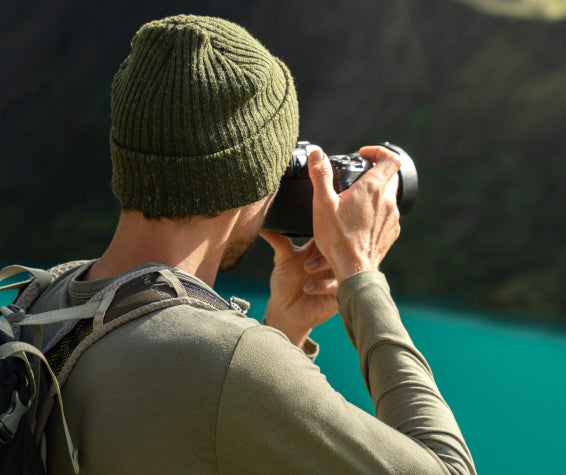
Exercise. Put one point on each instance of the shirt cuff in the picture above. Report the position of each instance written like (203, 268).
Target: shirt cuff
(311, 349)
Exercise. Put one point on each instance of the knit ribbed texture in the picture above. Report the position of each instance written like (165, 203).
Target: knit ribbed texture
(204, 118)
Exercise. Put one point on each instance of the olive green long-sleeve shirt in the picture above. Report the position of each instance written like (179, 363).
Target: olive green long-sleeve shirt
(189, 390)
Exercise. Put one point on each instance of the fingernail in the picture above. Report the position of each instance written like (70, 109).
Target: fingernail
(311, 263)
(310, 286)
(317, 156)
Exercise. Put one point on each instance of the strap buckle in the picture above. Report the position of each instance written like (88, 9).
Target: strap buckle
(12, 312)
(10, 420)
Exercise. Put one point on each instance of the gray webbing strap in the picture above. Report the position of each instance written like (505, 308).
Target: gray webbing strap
(43, 277)
(78, 312)
(5, 327)
(16, 348)
(174, 281)
(37, 340)
(103, 305)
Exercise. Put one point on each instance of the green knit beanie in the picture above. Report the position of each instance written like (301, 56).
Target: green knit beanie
(204, 118)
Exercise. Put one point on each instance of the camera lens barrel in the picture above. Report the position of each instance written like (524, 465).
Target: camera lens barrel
(408, 179)
(291, 210)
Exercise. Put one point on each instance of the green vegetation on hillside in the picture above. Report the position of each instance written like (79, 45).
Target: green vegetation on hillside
(532, 9)
(476, 99)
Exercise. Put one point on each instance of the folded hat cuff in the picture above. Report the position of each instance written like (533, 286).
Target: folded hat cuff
(171, 186)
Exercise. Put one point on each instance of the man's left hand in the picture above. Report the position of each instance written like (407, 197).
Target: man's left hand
(303, 288)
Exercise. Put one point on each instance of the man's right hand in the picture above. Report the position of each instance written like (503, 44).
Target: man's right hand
(355, 229)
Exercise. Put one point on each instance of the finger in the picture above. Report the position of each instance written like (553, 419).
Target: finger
(386, 162)
(316, 264)
(279, 243)
(320, 173)
(391, 188)
(321, 287)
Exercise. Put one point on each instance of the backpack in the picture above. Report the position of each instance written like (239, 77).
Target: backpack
(32, 372)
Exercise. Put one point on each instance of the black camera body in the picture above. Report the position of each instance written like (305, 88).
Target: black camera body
(291, 210)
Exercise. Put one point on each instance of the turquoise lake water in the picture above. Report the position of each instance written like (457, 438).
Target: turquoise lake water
(504, 382)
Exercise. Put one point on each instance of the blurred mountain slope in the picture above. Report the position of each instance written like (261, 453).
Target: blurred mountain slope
(532, 9)
(477, 100)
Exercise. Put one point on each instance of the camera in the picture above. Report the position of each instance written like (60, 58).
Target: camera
(291, 210)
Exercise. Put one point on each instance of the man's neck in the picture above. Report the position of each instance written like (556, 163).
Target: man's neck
(194, 245)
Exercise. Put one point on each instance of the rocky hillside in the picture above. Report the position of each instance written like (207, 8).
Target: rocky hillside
(478, 101)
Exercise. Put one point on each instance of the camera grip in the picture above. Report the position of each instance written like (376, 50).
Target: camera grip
(291, 210)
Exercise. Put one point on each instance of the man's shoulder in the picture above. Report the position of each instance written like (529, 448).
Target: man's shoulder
(186, 320)
(183, 331)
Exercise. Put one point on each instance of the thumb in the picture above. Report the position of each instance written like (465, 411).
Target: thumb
(279, 243)
(321, 174)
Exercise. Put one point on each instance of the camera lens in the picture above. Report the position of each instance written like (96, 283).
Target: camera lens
(408, 179)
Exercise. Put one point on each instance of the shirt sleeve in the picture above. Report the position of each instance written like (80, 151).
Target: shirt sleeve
(278, 414)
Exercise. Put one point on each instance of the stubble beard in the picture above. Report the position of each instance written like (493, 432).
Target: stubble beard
(234, 253)
(236, 250)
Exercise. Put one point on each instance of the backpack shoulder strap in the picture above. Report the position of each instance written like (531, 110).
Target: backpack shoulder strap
(134, 296)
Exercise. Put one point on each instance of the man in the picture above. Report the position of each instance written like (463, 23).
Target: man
(204, 121)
